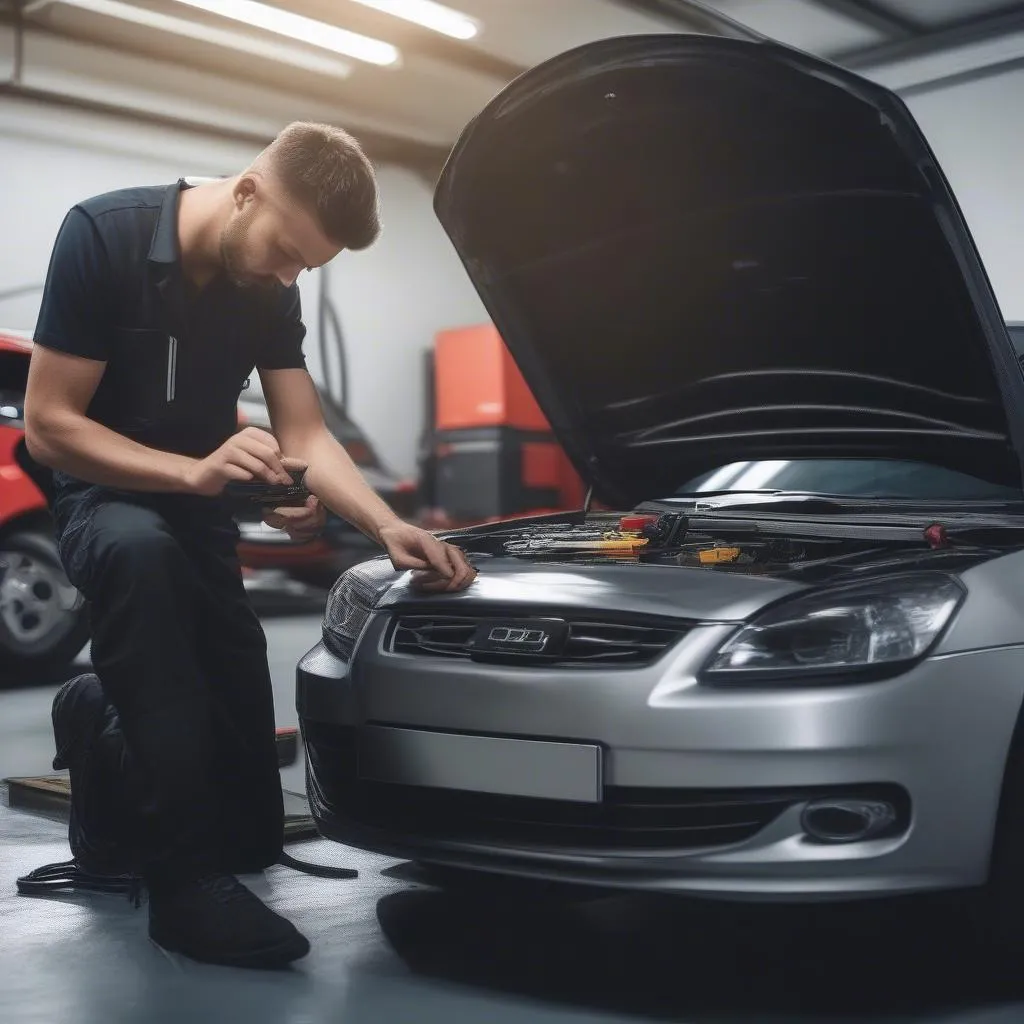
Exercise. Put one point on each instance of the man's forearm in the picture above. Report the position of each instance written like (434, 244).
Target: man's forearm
(89, 451)
(335, 479)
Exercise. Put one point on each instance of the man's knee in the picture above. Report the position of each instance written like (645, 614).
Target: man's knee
(134, 548)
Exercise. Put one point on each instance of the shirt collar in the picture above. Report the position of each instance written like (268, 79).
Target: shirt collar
(164, 246)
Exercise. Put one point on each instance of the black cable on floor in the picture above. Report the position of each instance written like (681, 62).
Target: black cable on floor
(318, 870)
(68, 876)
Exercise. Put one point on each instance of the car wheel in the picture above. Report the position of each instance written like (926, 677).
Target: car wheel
(43, 618)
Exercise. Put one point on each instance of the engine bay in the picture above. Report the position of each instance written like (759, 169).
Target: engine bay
(743, 546)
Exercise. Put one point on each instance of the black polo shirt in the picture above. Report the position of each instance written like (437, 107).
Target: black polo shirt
(177, 360)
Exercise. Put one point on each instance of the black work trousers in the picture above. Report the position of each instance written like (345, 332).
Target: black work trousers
(182, 657)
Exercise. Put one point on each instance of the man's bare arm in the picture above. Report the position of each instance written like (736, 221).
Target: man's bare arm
(299, 426)
(335, 479)
(60, 435)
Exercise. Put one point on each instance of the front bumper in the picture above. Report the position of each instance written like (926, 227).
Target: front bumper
(933, 742)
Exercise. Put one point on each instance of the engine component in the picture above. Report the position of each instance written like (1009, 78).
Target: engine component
(600, 535)
(718, 555)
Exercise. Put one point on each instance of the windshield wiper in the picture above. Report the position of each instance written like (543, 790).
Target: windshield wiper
(725, 491)
(774, 499)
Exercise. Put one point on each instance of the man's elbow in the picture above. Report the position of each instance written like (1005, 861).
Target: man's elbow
(41, 440)
(38, 448)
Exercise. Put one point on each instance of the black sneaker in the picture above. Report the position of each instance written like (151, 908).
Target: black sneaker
(217, 920)
(100, 825)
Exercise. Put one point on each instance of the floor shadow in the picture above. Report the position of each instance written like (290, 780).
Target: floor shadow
(670, 959)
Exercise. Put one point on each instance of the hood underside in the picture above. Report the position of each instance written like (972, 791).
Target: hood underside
(701, 251)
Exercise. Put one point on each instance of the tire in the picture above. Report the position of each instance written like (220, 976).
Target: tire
(43, 619)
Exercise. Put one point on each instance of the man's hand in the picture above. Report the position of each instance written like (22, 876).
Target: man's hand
(301, 523)
(440, 567)
(251, 454)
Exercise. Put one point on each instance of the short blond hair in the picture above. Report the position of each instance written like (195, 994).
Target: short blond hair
(325, 169)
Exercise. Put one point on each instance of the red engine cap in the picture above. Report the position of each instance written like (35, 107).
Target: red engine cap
(636, 522)
(936, 536)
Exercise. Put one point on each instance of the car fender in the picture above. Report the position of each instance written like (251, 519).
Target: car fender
(19, 496)
(993, 614)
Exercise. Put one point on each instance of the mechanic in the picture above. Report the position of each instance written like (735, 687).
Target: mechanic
(159, 303)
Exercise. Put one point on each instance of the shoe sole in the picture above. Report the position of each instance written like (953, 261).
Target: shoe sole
(269, 958)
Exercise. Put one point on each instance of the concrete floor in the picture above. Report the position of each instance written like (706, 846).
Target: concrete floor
(391, 951)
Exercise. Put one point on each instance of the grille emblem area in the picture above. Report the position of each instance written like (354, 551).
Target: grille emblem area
(533, 640)
(554, 639)
(523, 639)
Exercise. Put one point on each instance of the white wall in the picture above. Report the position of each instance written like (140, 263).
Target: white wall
(975, 131)
(391, 298)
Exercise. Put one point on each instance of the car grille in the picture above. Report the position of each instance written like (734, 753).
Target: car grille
(628, 818)
(589, 642)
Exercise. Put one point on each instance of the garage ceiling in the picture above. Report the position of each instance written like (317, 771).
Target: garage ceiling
(236, 67)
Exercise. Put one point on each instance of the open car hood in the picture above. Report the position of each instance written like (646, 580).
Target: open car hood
(701, 251)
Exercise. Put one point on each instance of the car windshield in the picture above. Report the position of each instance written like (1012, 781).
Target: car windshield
(857, 478)
(1016, 332)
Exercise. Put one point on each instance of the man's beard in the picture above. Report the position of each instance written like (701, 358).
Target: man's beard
(232, 246)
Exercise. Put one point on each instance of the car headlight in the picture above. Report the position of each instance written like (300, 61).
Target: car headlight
(352, 600)
(867, 630)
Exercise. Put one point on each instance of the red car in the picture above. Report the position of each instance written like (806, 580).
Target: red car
(43, 619)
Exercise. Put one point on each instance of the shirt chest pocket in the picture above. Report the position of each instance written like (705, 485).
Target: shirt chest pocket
(145, 365)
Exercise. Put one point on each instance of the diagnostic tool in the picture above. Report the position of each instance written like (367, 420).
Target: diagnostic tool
(259, 494)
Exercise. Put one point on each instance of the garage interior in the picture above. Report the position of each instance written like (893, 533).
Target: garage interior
(414, 379)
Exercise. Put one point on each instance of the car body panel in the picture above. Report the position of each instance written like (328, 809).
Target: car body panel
(662, 591)
(19, 496)
(658, 735)
(993, 614)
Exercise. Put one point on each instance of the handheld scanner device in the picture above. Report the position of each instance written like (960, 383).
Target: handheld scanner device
(261, 495)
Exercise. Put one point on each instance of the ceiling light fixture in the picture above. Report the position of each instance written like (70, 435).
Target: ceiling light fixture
(428, 14)
(281, 52)
(300, 28)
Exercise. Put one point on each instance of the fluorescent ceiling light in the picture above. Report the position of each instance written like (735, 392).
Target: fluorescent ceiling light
(305, 30)
(282, 53)
(429, 15)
